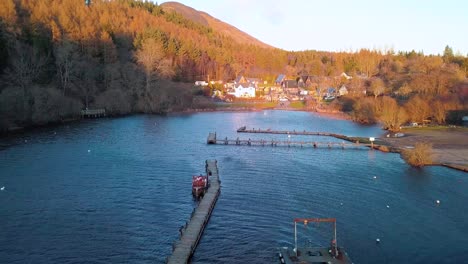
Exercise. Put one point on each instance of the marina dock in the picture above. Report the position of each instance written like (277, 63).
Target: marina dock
(191, 233)
(287, 143)
(285, 132)
(293, 132)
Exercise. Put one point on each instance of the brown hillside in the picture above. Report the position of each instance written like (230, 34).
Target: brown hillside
(216, 24)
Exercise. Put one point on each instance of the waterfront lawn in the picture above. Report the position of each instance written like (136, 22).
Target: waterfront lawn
(297, 104)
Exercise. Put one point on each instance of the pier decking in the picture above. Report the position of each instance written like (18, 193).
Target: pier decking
(287, 143)
(191, 233)
(93, 113)
(294, 132)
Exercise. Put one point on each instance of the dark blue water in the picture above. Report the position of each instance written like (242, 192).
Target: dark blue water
(117, 190)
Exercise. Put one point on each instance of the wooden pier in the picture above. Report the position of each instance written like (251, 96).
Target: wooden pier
(375, 143)
(287, 143)
(191, 233)
(93, 113)
(294, 132)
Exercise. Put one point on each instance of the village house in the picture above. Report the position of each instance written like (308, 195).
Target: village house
(290, 87)
(243, 90)
(279, 80)
(251, 81)
(343, 90)
(307, 81)
(301, 81)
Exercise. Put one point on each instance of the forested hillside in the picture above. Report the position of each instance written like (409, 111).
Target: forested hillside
(60, 56)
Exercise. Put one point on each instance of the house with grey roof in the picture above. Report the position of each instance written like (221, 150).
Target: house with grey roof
(279, 80)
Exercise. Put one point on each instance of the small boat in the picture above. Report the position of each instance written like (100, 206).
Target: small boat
(199, 185)
(309, 253)
(243, 128)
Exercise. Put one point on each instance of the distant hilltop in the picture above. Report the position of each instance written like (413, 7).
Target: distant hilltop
(214, 23)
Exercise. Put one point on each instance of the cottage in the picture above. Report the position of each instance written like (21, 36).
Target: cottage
(243, 90)
(279, 80)
(301, 81)
(343, 90)
(306, 81)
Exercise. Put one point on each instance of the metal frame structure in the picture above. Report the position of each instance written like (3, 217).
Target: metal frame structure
(315, 220)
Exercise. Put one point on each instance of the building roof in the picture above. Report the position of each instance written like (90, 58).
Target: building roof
(290, 84)
(280, 78)
(244, 85)
(239, 79)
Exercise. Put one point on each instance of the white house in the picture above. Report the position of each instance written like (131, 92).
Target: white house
(243, 90)
(343, 91)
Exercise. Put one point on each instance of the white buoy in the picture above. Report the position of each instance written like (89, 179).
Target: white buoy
(375, 177)
(89, 150)
(388, 206)
(25, 141)
(377, 240)
(437, 201)
(3, 188)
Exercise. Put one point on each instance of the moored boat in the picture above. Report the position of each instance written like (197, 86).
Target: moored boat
(309, 253)
(199, 185)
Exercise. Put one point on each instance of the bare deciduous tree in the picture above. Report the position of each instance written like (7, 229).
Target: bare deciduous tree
(25, 67)
(65, 59)
(377, 87)
(150, 56)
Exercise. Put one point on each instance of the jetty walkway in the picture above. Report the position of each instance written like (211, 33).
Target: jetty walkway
(191, 233)
(285, 132)
(212, 139)
(287, 143)
(294, 132)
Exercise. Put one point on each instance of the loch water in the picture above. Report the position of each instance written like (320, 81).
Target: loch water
(117, 191)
